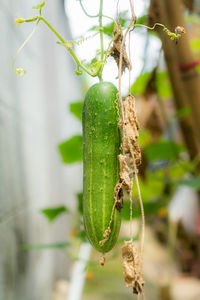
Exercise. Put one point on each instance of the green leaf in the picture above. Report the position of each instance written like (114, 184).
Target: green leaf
(163, 150)
(53, 213)
(140, 84)
(39, 6)
(149, 208)
(45, 246)
(194, 183)
(80, 202)
(142, 20)
(82, 236)
(163, 85)
(185, 111)
(76, 109)
(71, 150)
(108, 29)
(195, 44)
(153, 186)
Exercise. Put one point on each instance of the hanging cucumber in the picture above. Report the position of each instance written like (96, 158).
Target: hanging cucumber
(101, 143)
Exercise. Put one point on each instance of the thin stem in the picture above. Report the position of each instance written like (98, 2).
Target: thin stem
(85, 12)
(94, 16)
(172, 35)
(69, 48)
(110, 45)
(22, 46)
(148, 27)
(101, 28)
(52, 29)
(131, 211)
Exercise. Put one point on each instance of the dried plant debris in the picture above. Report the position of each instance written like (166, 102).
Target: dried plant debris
(119, 195)
(132, 268)
(102, 260)
(117, 46)
(131, 150)
(128, 160)
(106, 234)
(130, 130)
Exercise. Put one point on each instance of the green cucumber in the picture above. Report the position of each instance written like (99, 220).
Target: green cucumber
(101, 146)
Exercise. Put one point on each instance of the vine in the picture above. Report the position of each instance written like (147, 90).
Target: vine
(94, 71)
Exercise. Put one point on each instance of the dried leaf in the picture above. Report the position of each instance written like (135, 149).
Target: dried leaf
(117, 47)
(132, 267)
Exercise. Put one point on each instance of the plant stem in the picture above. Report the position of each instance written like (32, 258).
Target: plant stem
(101, 36)
(52, 29)
(101, 28)
(93, 74)
(85, 12)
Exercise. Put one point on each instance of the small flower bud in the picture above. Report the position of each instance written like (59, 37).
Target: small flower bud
(20, 20)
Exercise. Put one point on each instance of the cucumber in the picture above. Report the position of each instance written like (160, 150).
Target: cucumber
(101, 144)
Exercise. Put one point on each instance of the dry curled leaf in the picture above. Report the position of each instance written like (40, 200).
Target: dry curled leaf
(132, 268)
(130, 130)
(117, 47)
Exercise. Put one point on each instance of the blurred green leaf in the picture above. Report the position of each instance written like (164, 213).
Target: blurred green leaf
(140, 84)
(82, 236)
(144, 138)
(43, 247)
(149, 208)
(142, 20)
(108, 29)
(163, 150)
(76, 109)
(193, 183)
(153, 186)
(53, 212)
(80, 202)
(71, 150)
(185, 111)
(192, 18)
(163, 85)
(198, 69)
(39, 6)
(195, 44)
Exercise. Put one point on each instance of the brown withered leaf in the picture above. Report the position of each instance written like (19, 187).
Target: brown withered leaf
(116, 49)
(132, 268)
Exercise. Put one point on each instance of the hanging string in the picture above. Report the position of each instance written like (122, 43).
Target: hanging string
(134, 163)
(117, 11)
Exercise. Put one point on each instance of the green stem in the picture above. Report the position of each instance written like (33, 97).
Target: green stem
(101, 38)
(66, 44)
(69, 48)
(172, 35)
(52, 29)
(85, 12)
(21, 71)
(101, 28)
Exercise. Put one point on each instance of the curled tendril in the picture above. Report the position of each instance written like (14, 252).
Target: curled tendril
(173, 35)
(21, 71)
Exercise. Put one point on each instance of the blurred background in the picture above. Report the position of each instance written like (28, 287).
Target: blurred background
(43, 247)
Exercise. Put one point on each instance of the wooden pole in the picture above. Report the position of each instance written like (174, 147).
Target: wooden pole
(189, 130)
(185, 60)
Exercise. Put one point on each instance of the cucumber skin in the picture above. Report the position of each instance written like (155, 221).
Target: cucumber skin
(101, 144)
